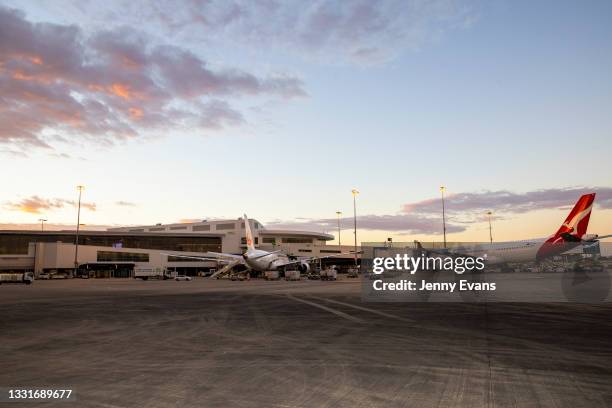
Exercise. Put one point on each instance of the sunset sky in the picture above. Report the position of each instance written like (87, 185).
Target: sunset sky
(208, 109)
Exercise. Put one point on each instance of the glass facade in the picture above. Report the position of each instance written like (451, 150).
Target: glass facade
(201, 228)
(255, 225)
(293, 240)
(183, 259)
(108, 256)
(219, 227)
(16, 243)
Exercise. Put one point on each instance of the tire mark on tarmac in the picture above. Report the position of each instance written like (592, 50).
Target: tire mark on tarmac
(378, 312)
(328, 309)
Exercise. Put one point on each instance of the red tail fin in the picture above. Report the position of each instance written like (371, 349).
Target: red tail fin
(577, 221)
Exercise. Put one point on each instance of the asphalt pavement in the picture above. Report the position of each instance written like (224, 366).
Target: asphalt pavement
(208, 343)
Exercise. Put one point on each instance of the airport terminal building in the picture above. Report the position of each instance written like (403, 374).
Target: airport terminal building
(118, 251)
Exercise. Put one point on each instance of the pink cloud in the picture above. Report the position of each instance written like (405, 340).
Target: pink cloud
(112, 85)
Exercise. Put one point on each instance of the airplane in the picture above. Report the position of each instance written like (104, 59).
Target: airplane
(572, 233)
(258, 259)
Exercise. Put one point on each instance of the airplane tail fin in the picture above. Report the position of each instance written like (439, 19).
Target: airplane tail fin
(249, 234)
(576, 223)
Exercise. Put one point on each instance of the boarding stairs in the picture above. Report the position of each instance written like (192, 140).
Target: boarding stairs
(226, 269)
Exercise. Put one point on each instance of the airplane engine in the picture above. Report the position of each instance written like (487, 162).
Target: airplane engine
(304, 267)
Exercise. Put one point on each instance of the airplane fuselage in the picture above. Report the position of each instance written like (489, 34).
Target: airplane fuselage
(260, 260)
(520, 251)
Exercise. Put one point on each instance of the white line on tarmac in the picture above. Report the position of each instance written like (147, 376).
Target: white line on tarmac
(403, 319)
(328, 309)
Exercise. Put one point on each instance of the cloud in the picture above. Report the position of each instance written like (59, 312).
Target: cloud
(37, 205)
(112, 85)
(345, 31)
(398, 223)
(13, 153)
(51, 227)
(125, 204)
(463, 209)
(189, 220)
(88, 206)
(218, 114)
(503, 201)
(60, 155)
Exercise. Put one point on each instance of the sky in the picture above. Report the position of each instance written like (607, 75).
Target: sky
(171, 111)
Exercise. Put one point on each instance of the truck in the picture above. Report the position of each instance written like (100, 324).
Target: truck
(352, 273)
(151, 273)
(17, 277)
(293, 275)
(271, 275)
(329, 273)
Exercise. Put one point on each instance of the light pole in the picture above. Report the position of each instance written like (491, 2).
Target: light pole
(490, 230)
(339, 213)
(355, 192)
(42, 224)
(76, 251)
(442, 188)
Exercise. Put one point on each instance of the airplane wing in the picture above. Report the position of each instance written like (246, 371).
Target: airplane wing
(590, 239)
(224, 255)
(314, 258)
(214, 256)
(603, 237)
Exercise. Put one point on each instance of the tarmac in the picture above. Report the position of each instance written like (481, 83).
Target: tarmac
(215, 343)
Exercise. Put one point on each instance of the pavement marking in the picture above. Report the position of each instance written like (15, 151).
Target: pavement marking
(328, 309)
(378, 312)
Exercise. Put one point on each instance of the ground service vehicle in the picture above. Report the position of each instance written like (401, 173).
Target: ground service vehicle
(271, 275)
(150, 273)
(18, 277)
(292, 275)
(329, 274)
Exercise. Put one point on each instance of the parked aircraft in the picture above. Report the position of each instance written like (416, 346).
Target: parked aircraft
(259, 259)
(572, 233)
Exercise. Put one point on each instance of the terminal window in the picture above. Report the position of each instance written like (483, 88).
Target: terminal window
(182, 227)
(267, 240)
(17, 243)
(184, 259)
(225, 226)
(109, 256)
(201, 228)
(297, 240)
(255, 225)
